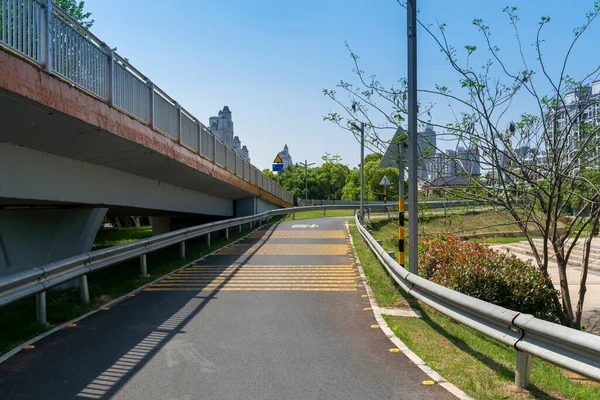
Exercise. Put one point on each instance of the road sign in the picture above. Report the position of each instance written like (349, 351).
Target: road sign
(278, 160)
(385, 181)
(277, 167)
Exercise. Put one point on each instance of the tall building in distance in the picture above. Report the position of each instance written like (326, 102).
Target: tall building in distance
(286, 157)
(581, 108)
(426, 143)
(222, 126)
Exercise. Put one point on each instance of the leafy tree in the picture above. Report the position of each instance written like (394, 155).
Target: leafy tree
(76, 10)
(540, 162)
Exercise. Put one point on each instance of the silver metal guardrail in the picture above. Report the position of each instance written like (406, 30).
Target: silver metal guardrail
(42, 33)
(36, 281)
(568, 348)
(573, 350)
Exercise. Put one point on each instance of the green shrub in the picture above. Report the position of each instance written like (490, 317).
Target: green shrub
(475, 269)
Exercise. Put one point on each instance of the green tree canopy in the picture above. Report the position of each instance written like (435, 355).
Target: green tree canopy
(76, 10)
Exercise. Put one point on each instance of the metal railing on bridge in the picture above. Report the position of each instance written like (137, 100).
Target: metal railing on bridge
(43, 33)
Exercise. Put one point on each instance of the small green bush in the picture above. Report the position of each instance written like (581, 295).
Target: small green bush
(475, 269)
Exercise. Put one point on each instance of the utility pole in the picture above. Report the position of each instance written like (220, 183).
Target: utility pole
(400, 203)
(413, 255)
(362, 171)
(306, 165)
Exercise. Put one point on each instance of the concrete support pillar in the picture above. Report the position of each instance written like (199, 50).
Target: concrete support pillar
(35, 237)
(84, 290)
(160, 225)
(40, 308)
(143, 266)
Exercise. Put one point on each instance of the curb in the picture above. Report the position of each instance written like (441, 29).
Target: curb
(415, 359)
(115, 301)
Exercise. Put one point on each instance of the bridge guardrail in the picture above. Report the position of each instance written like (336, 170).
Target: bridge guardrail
(573, 350)
(44, 34)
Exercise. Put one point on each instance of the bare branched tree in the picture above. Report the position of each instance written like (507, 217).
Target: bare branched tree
(540, 165)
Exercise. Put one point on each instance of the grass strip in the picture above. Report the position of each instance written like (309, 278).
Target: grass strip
(17, 320)
(482, 367)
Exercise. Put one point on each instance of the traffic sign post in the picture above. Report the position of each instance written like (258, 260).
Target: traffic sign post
(277, 164)
(385, 182)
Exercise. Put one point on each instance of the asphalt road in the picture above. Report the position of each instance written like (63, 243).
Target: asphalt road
(277, 316)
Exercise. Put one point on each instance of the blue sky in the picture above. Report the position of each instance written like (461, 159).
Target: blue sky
(269, 60)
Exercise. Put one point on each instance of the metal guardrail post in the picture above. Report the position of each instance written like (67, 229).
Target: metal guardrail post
(214, 157)
(151, 104)
(40, 308)
(240, 228)
(226, 233)
(199, 135)
(46, 36)
(143, 266)
(208, 239)
(84, 289)
(324, 212)
(182, 249)
(392, 254)
(523, 370)
(111, 75)
(369, 213)
(179, 124)
(293, 216)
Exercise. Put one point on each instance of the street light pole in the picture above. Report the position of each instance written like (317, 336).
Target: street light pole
(306, 165)
(413, 255)
(362, 170)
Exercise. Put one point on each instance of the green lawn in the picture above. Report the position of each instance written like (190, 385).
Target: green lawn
(480, 366)
(319, 214)
(114, 236)
(18, 319)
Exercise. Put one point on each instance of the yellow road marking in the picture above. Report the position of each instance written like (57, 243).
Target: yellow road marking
(394, 350)
(428, 383)
(29, 347)
(300, 234)
(258, 283)
(287, 249)
(374, 326)
(225, 289)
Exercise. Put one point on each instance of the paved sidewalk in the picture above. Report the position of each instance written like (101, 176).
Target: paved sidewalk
(591, 305)
(277, 316)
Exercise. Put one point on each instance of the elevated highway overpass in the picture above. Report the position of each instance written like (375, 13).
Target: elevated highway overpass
(83, 133)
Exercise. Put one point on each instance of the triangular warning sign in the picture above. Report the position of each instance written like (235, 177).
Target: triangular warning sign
(278, 160)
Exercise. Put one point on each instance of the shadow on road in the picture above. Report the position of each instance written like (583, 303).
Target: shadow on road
(96, 358)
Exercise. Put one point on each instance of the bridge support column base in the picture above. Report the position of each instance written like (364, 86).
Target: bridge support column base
(35, 237)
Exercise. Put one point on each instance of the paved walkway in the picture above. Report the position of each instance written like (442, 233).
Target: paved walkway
(591, 306)
(277, 316)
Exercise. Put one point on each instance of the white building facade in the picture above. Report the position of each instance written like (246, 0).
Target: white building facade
(222, 127)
